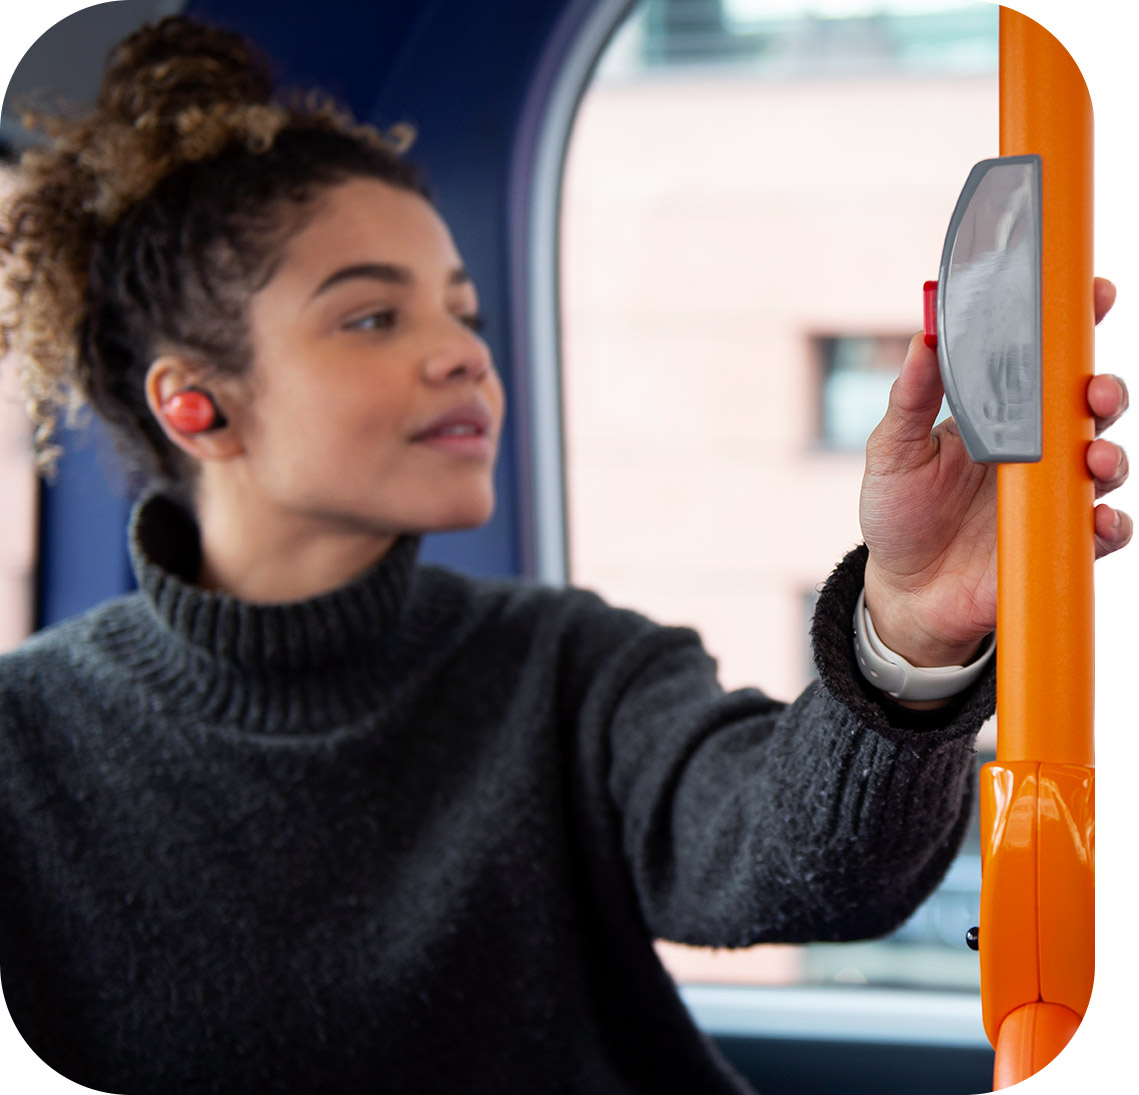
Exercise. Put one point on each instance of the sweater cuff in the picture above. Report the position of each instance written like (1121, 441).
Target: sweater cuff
(834, 653)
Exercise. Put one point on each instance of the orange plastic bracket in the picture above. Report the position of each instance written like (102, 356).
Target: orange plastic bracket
(1037, 906)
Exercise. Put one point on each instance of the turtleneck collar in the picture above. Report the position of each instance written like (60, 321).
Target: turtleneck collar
(295, 667)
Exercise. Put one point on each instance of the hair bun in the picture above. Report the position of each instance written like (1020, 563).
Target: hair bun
(160, 72)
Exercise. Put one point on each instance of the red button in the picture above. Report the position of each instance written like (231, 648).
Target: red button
(929, 295)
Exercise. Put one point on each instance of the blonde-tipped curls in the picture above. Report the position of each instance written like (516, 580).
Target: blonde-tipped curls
(175, 97)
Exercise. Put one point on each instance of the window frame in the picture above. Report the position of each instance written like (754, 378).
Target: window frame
(562, 78)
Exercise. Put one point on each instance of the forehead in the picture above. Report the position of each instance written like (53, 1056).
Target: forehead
(368, 221)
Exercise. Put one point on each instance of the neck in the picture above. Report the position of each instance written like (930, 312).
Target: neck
(254, 552)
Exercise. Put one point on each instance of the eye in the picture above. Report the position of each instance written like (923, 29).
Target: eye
(474, 321)
(373, 321)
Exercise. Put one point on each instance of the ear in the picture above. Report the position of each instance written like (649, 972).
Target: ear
(172, 373)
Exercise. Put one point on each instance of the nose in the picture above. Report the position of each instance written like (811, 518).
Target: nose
(460, 355)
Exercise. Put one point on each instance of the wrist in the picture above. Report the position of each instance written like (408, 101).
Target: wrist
(899, 625)
(910, 684)
(903, 635)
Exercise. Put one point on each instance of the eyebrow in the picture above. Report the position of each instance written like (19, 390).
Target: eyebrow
(387, 272)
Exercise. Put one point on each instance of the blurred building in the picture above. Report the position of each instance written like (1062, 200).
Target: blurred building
(750, 210)
(17, 503)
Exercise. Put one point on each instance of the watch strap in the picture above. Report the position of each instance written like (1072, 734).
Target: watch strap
(895, 676)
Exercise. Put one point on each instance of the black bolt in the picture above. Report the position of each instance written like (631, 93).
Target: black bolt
(973, 939)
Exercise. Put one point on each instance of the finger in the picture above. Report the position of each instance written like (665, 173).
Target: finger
(1108, 466)
(1113, 530)
(1108, 398)
(915, 400)
(1103, 292)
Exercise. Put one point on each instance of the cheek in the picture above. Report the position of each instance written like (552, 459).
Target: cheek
(331, 405)
(319, 436)
(356, 434)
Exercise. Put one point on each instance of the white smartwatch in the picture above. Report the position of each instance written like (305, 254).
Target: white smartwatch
(895, 676)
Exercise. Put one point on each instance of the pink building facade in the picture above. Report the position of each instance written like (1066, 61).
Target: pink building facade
(715, 232)
(718, 233)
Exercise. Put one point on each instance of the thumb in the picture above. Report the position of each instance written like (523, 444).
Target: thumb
(903, 435)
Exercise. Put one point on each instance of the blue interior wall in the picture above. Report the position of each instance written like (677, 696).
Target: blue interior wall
(82, 555)
(460, 72)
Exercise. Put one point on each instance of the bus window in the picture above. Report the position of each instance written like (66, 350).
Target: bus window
(752, 202)
(17, 503)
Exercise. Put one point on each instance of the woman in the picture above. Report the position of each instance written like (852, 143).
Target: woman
(302, 815)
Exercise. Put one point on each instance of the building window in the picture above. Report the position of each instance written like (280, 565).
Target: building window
(788, 38)
(856, 372)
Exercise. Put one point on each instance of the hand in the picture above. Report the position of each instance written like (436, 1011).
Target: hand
(928, 514)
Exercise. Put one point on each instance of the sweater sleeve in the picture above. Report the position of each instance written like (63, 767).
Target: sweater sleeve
(745, 820)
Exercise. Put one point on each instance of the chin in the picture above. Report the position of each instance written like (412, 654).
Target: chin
(463, 518)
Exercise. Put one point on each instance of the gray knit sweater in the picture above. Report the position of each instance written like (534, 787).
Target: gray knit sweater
(418, 834)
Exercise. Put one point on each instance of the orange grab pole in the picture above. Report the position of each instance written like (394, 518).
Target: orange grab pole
(1037, 799)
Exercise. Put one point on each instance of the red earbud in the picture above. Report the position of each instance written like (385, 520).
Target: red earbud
(193, 410)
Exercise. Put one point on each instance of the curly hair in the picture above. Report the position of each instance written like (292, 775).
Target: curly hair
(144, 225)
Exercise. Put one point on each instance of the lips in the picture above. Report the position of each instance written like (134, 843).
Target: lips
(468, 420)
(463, 431)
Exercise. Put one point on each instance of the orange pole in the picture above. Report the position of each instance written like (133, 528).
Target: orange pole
(1045, 657)
(1037, 800)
